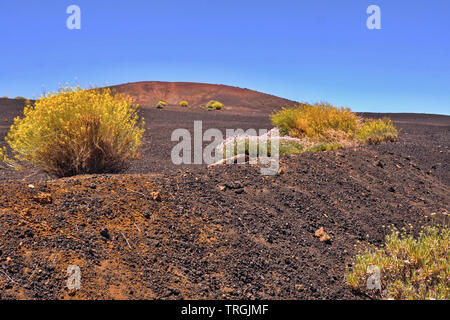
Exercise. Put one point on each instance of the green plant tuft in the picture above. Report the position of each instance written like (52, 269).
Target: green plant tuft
(325, 146)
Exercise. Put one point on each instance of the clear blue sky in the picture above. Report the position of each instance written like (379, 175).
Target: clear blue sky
(303, 50)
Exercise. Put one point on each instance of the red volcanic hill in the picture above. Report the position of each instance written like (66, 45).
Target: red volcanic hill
(147, 94)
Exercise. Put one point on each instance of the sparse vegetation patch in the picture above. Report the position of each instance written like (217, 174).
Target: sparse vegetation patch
(377, 131)
(326, 127)
(409, 268)
(257, 146)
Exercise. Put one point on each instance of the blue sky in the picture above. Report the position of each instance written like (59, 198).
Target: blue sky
(303, 50)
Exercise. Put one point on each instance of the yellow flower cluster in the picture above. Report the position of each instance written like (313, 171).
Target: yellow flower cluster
(214, 105)
(376, 131)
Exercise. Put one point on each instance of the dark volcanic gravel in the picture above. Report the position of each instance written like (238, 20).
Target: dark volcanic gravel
(224, 232)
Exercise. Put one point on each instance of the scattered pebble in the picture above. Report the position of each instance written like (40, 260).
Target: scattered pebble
(322, 235)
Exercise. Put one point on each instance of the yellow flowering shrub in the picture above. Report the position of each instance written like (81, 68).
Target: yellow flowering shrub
(77, 131)
(184, 103)
(377, 131)
(318, 122)
(161, 104)
(214, 105)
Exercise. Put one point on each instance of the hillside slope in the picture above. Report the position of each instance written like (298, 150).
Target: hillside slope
(149, 93)
(223, 232)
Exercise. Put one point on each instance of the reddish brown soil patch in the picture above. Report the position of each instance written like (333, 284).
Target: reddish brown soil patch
(254, 239)
(99, 223)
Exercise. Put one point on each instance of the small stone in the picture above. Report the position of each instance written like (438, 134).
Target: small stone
(156, 196)
(31, 186)
(280, 171)
(146, 214)
(322, 235)
(222, 188)
(105, 234)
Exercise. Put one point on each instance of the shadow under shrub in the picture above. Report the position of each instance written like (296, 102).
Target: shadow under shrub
(76, 131)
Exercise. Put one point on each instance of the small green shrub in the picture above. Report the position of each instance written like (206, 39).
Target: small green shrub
(161, 104)
(262, 149)
(410, 268)
(290, 147)
(20, 98)
(377, 131)
(184, 103)
(76, 131)
(214, 105)
(255, 146)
